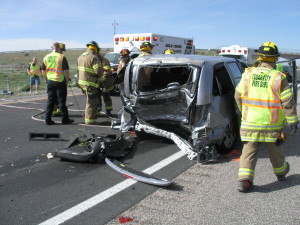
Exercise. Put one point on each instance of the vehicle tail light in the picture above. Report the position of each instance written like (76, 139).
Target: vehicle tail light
(240, 51)
(228, 50)
(155, 38)
(116, 39)
(121, 39)
(245, 51)
(126, 38)
(142, 38)
(136, 38)
(147, 38)
(223, 51)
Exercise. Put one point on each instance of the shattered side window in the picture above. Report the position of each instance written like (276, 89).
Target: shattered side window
(192, 81)
(235, 72)
(222, 83)
(132, 76)
(152, 78)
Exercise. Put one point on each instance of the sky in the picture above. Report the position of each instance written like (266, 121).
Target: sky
(36, 24)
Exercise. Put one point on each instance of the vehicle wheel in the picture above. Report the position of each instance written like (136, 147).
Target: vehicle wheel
(231, 137)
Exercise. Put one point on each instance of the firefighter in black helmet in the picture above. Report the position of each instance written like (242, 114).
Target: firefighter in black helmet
(146, 48)
(90, 72)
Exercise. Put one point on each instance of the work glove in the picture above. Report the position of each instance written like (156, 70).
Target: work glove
(294, 128)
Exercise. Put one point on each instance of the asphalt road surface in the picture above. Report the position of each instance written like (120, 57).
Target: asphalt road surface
(38, 189)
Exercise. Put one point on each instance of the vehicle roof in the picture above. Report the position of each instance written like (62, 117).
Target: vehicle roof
(180, 59)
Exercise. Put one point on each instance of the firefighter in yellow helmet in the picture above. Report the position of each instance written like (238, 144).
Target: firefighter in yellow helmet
(266, 103)
(169, 51)
(106, 85)
(90, 72)
(146, 49)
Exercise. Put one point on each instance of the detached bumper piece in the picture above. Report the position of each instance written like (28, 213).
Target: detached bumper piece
(90, 147)
(135, 174)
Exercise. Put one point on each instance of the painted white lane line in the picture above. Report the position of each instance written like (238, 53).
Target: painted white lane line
(91, 202)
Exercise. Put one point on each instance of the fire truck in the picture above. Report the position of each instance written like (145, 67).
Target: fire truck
(244, 54)
(132, 42)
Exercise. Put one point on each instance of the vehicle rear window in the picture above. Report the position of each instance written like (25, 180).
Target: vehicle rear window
(156, 78)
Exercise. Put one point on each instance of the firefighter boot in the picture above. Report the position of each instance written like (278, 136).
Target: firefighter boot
(245, 186)
(282, 177)
(108, 113)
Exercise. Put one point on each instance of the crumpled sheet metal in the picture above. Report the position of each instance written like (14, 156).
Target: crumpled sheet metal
(181, 143)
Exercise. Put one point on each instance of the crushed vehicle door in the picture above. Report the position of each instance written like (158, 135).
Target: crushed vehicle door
(165, 92)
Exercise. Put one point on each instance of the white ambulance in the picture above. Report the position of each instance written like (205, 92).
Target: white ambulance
(243, 54)
(132, 42)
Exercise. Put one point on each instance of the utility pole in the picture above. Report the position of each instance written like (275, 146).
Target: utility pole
(115, 25)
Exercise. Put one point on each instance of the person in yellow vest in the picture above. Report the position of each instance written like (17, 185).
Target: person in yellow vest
(34, 72)
(89, 72)
(266, 103)
(55, 70)
(106, 85)
(56, 109)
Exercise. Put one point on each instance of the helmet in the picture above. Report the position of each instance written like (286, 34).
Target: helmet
(124, 52)
(268, 49)
(93, 43)
(169, 51)
(62, 46)
(146, 46)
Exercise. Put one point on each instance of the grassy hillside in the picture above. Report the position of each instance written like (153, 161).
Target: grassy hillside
(25, 57)
(13, 67)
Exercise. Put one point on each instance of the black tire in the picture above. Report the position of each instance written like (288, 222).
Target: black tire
(231, 137)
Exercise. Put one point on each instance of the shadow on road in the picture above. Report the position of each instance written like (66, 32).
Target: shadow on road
(290, 181)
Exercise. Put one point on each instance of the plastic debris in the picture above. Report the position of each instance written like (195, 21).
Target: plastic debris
(49, 155)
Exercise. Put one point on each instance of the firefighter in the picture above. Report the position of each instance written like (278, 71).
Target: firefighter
(106, 85)
(266, 102)
(146, 49)
(55, 70)
(89, 72)
(56, 110)
(125, 59)
(169, 51)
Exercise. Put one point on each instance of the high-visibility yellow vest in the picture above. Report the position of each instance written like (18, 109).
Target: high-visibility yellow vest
(54, 70)
(261, 99)
(35, 69)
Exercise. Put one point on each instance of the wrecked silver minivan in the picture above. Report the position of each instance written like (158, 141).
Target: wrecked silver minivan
(186, 98)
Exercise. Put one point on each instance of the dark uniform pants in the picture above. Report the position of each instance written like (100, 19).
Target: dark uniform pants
(57, 92)
(107, 100)
(249, 158)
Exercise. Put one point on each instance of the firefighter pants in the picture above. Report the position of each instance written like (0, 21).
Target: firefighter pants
(57, 94)
(107, 100)
(91, 112)
(249, 158)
